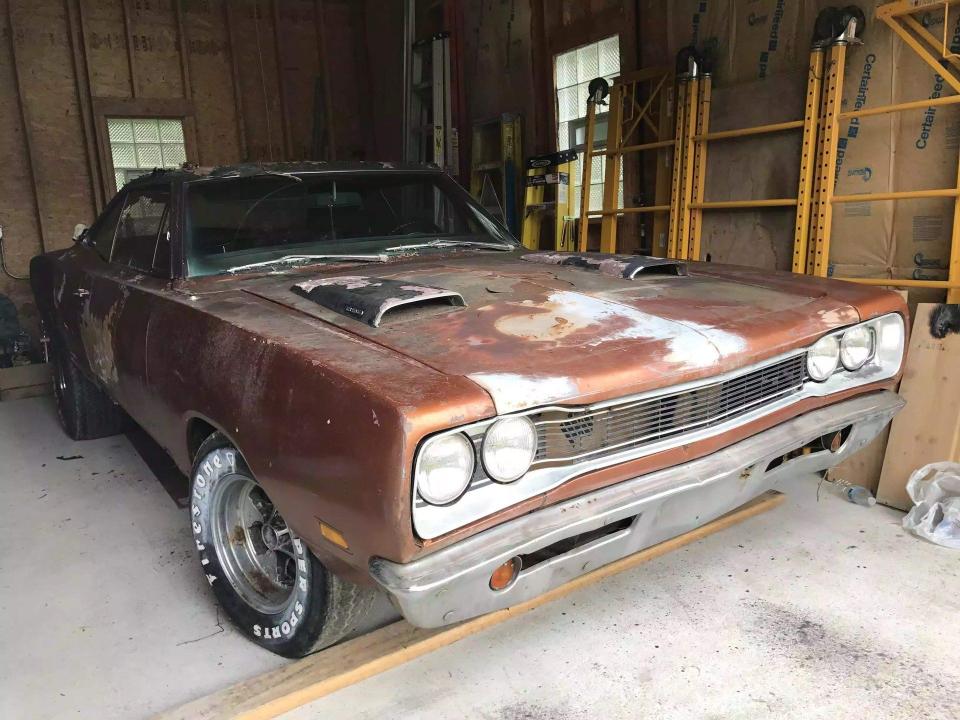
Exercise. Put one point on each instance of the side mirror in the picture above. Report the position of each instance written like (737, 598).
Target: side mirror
(80, 232)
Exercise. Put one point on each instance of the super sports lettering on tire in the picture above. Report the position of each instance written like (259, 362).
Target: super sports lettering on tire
(293, 627)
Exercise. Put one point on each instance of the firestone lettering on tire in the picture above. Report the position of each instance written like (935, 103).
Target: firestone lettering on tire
(219, 459)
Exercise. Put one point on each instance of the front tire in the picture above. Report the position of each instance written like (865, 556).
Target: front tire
(265, 578)
(86, 412)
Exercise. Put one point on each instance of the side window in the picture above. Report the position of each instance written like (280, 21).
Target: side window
(105, 229)
(140, 244)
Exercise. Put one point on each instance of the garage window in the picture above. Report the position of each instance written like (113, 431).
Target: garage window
(573, 72)
(138, 145)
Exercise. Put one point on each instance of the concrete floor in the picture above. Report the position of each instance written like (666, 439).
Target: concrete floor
(813, 610)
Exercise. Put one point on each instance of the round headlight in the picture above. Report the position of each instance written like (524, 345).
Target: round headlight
(444, 468)
(823, 357)
(856, 347)
(508, 448)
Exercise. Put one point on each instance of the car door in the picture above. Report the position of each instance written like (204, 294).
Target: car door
(127, 290)
(76, 269)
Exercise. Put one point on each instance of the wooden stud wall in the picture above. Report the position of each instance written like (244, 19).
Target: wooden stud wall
(242, 73)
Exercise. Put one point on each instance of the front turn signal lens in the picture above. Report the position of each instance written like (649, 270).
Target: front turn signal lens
(505, 574)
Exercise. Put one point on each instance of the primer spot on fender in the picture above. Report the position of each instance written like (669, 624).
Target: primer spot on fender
(838, 316)
(512, 392)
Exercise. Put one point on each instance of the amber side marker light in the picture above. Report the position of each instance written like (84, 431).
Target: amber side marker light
(504, 575)
(333, 535)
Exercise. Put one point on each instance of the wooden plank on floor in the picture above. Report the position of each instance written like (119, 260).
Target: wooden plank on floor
(23, 381)
(306, 680)
(928, 429)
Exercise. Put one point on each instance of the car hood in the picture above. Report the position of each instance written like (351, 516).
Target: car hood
(534, 333)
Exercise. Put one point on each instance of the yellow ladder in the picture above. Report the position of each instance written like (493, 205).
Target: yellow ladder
(544, 172)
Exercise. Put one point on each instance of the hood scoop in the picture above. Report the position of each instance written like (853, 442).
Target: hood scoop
(627, 267)
(373, 300)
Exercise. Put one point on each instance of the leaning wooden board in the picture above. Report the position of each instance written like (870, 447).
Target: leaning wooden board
(306, 680)
(928, 428)
(24, 381)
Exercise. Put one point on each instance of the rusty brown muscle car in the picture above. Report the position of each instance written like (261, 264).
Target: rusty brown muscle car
(375, 389)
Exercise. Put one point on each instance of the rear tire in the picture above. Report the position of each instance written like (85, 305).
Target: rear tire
(86, 412)
(265, 578)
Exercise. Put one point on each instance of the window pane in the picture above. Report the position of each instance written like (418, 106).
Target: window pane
(173, 155)
(567, 69)
(148, 156)
(103, 230)
(139, 228)
(582, 95)
(567, 108)
(588, 65)
(171, 131)
(120, 130)
(563, 136)
(596, 197)
(124, 155)
(609, 51)
(146, 131)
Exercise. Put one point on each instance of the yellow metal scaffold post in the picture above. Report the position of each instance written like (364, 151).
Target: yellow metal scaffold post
(635, 97)
(933, 51)
(683, 109)
(822, 217)
(808, 158)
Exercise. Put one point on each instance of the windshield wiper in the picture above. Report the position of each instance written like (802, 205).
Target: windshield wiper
(452, 243)
(290, 259)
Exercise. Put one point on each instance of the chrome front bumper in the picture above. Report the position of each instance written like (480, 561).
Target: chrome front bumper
(452, 584)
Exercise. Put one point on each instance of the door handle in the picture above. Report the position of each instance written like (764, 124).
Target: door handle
(81, 293)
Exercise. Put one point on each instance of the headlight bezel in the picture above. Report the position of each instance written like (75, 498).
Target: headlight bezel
(821, 374)
(485, 446)
(871, 348)
(885, 361)
(422, 457)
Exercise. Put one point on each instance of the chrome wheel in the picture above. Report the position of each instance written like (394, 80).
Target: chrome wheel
(254, 544)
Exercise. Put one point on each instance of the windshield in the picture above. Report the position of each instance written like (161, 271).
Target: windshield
(237, 222)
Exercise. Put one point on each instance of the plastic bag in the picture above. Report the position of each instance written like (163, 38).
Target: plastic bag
(935, 514)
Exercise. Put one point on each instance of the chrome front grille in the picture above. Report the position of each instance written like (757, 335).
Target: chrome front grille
(566, 435)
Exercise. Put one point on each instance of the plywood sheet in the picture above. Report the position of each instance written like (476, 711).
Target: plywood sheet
(105, 43)
(214, 103)
(255, 53)
(156, 51)
(44, 58)
(928, 428)
(299, 66)
(18, 210)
